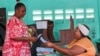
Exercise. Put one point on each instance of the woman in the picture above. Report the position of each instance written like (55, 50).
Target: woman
(17, 39)
(81, 46)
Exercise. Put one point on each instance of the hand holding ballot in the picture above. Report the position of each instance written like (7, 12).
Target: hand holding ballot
(49, 44)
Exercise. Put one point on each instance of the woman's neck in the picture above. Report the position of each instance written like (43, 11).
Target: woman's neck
(18, 17)
(16, 14)
(79, 38)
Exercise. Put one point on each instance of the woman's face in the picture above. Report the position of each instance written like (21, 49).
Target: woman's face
(21, 11)
(77, 33)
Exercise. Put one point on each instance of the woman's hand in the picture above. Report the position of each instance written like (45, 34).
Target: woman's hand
(49, 44)
(33, 39)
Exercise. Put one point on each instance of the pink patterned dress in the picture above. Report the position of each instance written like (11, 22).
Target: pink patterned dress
(16, 28)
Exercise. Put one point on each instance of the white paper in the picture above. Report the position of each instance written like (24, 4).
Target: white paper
(39, 35)
(42, 49)
(43, 40)
(41, 24)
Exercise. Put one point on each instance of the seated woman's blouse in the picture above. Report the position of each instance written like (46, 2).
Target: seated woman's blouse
(86, 44)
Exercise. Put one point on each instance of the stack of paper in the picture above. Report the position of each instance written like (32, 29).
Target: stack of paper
(41, 51)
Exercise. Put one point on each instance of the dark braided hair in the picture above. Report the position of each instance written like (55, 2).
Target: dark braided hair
(18, 5)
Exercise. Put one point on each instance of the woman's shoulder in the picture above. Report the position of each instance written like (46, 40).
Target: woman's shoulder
(12, 18)
(85, 39)
(12, 21)
(85, 42)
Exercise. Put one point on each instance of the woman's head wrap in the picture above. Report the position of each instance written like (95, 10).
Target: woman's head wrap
(83, 29)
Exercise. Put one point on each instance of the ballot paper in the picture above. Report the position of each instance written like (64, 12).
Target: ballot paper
(41, 38)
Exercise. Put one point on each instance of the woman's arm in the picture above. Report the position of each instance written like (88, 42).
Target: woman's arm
(75, 50)
(33, 39)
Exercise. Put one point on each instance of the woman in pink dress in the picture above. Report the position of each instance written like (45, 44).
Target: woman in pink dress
(17, 39)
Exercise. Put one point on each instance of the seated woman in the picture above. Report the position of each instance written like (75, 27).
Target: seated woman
(80, 46)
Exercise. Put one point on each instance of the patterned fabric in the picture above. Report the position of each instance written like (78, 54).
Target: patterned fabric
(86, 44)
(16, 28)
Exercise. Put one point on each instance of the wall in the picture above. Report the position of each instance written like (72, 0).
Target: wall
(60, 5)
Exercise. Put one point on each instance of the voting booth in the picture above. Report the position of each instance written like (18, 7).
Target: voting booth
(46, 28)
